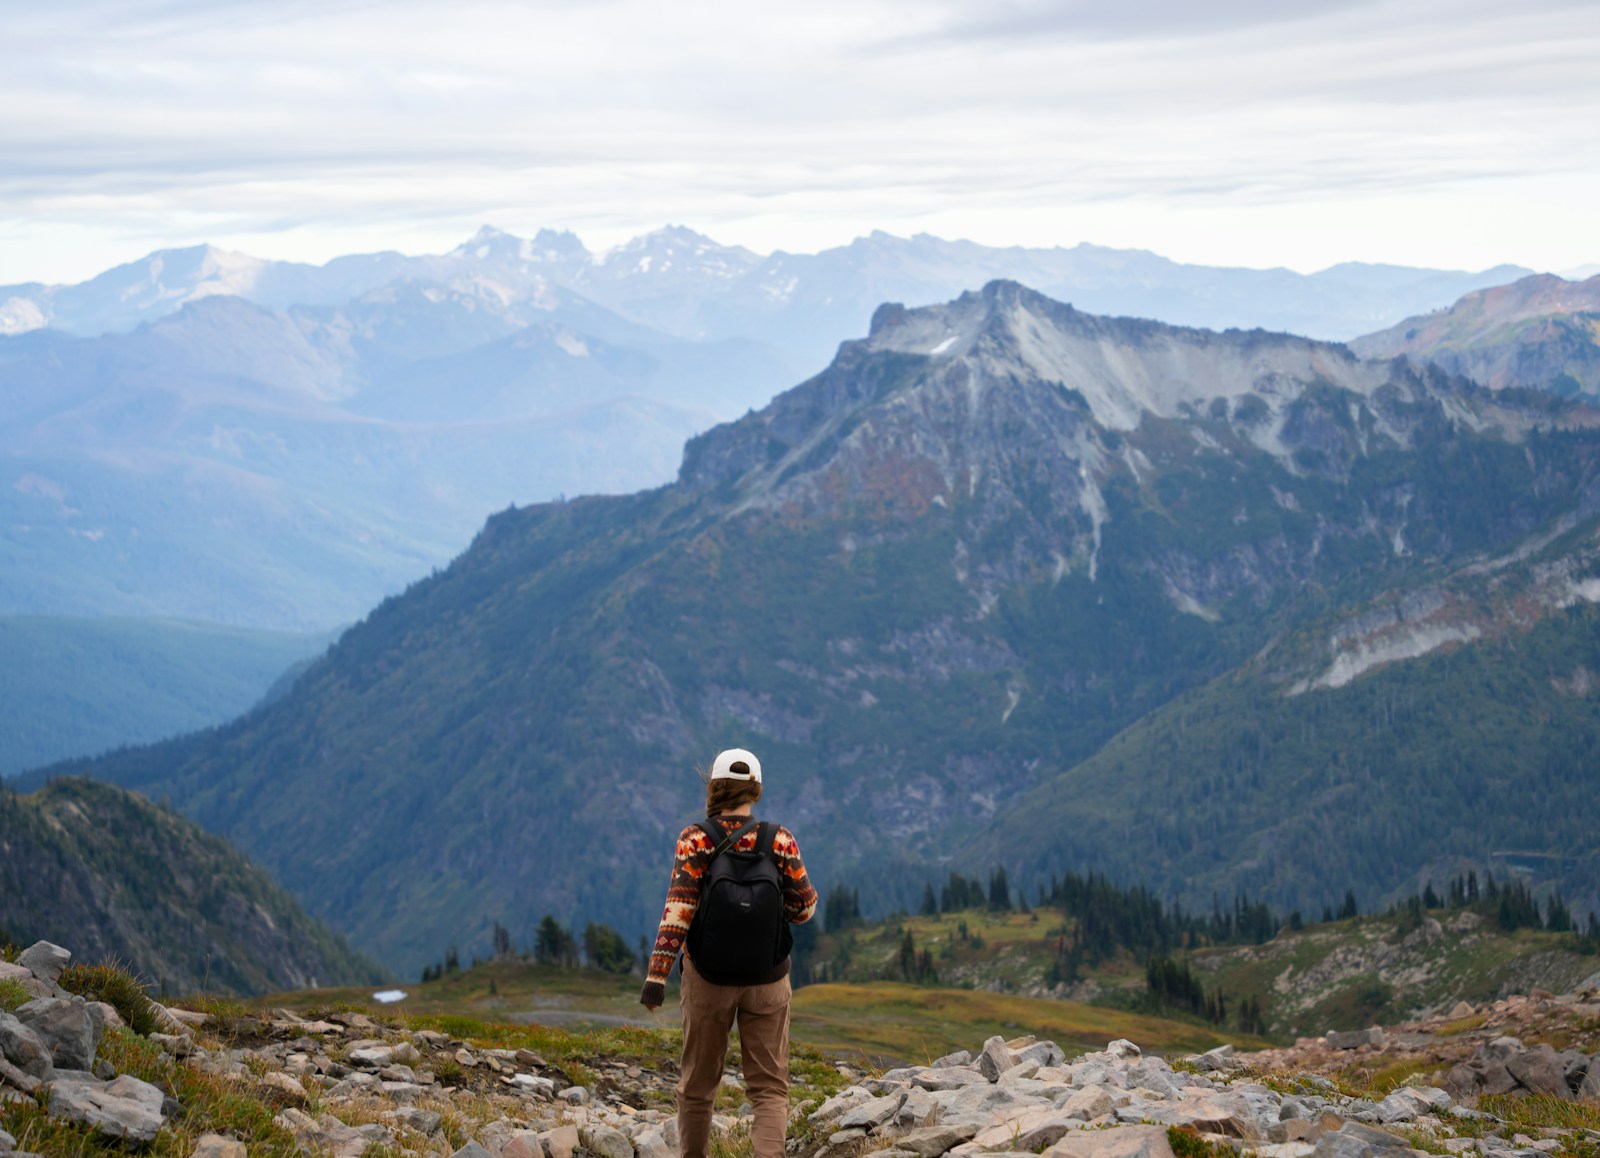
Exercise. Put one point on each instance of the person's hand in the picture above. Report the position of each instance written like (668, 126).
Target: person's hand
(653, 996)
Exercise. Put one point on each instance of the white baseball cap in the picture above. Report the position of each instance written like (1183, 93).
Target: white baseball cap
(722, 766)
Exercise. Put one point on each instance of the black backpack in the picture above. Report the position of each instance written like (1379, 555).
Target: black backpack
(739, 933)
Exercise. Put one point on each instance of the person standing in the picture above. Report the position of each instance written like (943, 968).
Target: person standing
(737, 885)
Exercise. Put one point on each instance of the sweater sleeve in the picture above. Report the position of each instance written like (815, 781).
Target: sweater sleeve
(689, 863)
(799, 898)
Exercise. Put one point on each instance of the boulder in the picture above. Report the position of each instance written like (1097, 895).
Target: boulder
(1591, 1081)
(995, 1059)
(1574, 1067)
(936, 1079)
(872, 1114)
(218, 1146)
(1462, 1009)
(23, 1048)
(932, 1141)
(604, 1142)
(425, 1122)
(1122, 1142)
(11, 1076)
(472, 1150)
(44, 960)
(123, 1108)
(1537, 1070)
(918, 1109)
(1123, 1048)
(282, 1090)
(66, 1027)
(1046, 1053)
(560, 1142)
(649, 1144)
(960, 1058)
(1087, 1104)
(1376, 1140)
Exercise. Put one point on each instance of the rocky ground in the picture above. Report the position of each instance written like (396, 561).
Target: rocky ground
(346, 1083)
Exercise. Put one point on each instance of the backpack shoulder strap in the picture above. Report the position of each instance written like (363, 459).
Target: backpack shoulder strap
(764, 839)
(720, 843)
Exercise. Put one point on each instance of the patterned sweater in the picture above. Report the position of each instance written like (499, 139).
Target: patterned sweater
(689, 865)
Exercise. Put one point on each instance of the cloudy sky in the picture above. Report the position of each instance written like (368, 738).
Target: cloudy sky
(1457, 133)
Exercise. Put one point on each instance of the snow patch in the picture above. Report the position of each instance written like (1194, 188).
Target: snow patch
(944, 345)
(389, 996)
(19, 315)
(572, 344)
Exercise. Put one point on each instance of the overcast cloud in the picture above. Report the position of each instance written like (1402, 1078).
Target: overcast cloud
(1253, 132)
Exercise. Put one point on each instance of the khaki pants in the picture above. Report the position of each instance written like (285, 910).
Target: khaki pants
(709, 1012)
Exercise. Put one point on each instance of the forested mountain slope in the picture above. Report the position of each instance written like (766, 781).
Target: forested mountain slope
(926, 583)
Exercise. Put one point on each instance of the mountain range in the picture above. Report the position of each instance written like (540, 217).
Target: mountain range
(209, 436)
(1006, 584)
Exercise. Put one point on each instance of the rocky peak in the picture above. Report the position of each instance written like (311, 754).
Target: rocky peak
(1006, 373)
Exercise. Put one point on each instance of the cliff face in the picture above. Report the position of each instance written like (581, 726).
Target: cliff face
(132, 882)
(922, 585)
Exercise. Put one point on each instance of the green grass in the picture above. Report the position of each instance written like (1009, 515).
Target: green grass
(890, 1021)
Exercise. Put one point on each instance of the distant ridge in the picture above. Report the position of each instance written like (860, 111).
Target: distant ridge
(133, 882)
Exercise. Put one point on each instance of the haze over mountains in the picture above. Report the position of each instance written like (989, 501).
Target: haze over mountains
(275, 445)
(1006, 583)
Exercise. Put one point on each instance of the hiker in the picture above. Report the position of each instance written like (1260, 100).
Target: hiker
(737, 885)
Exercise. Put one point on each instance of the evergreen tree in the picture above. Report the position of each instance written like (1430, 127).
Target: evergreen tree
(999, 891)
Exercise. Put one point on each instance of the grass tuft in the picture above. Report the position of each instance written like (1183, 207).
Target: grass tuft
(118, 988)
(13, 994)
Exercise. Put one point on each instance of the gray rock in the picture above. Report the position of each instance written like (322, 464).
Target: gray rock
(1591, 1081)
(7, 1142)
(11, 1076)
(1123, 1048)
(948, 1079)
(1397, 1108)
(124, 1108)
(422, 1121)
(24, 1048)
(1538, 1070)
(961, 1057)
(995, 1059)
(44, 960)
(871, 1115)
(918, 1109)
(575, 1095)
(1087, 1104)
(1122, 1142)
(218, 1146)
(472, 1150)
(605, 1142)
(932, 1141)
(1574, 1067)
(66, 1027)
(370, 1056)
(1046, 1053)
(561, 1141)
(1500, 1048)
(1292, 1109)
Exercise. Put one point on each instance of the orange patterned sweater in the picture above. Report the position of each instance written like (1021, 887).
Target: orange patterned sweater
(689, 864)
